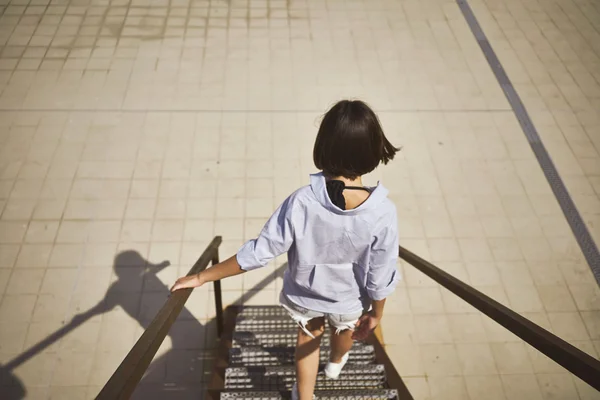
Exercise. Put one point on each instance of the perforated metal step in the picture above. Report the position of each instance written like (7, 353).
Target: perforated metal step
(283, 378)
(262, 311)
(265, 324)
(352, 394)
(269, 339)
(272, 339)
(272, 356)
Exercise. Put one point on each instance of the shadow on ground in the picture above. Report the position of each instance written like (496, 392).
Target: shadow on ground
(180, 373)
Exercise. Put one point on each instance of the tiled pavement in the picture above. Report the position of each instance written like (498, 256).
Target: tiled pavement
(135, 131)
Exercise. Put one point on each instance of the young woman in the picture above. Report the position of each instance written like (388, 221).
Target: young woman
(341, 241)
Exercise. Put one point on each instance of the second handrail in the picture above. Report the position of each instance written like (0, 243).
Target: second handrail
(577, 362)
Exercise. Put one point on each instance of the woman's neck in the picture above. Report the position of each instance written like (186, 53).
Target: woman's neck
(349, 182)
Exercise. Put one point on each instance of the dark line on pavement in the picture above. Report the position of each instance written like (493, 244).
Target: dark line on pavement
(580, 230)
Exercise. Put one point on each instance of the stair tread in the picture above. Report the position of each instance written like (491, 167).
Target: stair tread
(286, 368)
(265, 323)
(273, 356)
(356, 347)
(283, 377)
(262, 310)
(242, 338)
(354, 394)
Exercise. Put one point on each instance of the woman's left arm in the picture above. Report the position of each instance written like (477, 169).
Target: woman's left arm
(225, 269)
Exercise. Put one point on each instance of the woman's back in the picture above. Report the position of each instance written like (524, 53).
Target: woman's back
(333, 254)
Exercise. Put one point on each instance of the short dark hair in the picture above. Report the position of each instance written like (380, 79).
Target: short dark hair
(350, 141)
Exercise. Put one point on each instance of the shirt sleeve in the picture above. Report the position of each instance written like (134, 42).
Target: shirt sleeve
(383, 276)
(275, 239)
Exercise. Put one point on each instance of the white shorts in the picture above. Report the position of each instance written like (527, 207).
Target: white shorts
(302, 315)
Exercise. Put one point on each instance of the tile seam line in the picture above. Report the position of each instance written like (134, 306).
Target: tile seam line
(580, 231)
(162, 110)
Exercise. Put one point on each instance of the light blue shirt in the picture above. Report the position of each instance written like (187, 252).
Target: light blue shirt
(338, 260)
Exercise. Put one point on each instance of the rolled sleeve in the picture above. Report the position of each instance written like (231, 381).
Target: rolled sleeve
(275, 239)
(383, 276)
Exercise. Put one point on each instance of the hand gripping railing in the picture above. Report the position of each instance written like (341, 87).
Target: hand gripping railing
(125, 379)
(574, 360)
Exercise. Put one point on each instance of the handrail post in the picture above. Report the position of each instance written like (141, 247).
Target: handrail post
(218, 296)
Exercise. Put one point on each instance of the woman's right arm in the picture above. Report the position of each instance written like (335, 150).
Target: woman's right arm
(275, 239)
(225, 269)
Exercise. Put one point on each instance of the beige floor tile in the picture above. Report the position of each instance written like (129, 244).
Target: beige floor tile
(406, 359)
(556, 298)
(467, 328)
(585, 391)
(41, 232)
(456, 305)
(521, 386)
(25, 281)
(483, 274)
(17, 308)
(99, 255)
(50, 307)
(440, 360)
(512, 358)
(65, 255)
(568, 326)
(425, 300)
(68, 392)
(4, 278)
(37, 371)
(34, 255)
(73, 368)
(418, 387)
(489, 387)
(59, 281)
(546, 273)
(104, 365)
(140, 208)
(12, 231)
(8, 255)
(398, 303)
(524, 298)
(399, 329)
(39, 331)
(448, 388)
(432, 328)
(82, 339)
(557, 386)
(476, 359)
(12, 337)
(591, 319)
(442, 250)
(587, 296)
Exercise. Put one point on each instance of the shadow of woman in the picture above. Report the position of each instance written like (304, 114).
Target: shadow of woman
(139, 293)
(180, 372)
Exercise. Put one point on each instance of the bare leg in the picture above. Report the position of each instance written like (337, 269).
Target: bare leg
(340, 344)
(307, 357)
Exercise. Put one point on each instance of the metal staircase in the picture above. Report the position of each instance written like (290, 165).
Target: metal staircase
(255, 359)
(259, 358)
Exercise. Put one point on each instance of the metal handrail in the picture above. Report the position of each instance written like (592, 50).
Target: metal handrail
(127, 376)
(577, 362)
